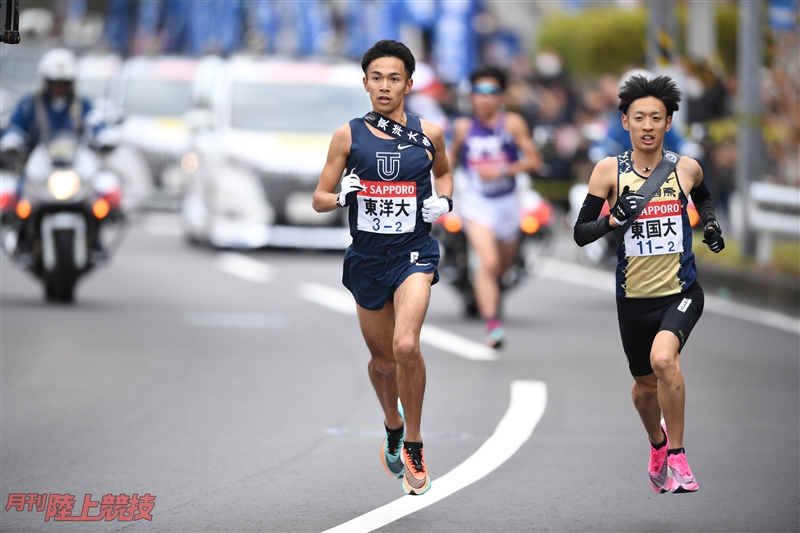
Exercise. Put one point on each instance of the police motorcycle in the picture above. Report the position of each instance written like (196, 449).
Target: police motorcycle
(457, 263)
(67, 216)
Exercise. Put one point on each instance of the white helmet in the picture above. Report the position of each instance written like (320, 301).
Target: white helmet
(58, 65)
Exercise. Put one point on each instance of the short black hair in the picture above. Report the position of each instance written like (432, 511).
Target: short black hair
(661, 87)
(389, 48)
(489, 72)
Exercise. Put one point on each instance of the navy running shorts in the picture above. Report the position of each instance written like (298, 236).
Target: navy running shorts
(372, 276)
(640, 319)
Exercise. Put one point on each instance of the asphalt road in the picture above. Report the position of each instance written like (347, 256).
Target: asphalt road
(233, 389)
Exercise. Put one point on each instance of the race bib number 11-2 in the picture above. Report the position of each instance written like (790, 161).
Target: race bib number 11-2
(658, 230)
(387, 207)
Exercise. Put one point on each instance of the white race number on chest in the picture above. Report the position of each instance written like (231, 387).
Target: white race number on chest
(387, 207)
(658, 230)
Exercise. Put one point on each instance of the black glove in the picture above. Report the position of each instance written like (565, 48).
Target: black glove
(627, 204)
(713, 237)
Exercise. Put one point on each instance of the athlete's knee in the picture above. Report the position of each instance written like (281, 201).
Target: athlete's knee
(664, 362)
(406, 348)
(383, 366)
(490, 264)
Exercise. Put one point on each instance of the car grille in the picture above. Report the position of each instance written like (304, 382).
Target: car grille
(279, 187)
(158, 162)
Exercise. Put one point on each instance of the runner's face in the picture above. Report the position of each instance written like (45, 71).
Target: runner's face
(486, 97)
(647, 122)
(387, 83)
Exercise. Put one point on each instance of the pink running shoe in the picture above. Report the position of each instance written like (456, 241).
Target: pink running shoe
(681, 477)
(658, 469)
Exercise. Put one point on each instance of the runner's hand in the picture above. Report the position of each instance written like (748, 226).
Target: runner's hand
(713, 237)
(433, 208)
(351, 184)
(627, 204)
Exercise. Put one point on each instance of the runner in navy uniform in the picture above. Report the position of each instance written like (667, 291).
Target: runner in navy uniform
(384, 162)
(659, 300)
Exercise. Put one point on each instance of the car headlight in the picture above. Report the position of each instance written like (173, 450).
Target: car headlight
(63, 184)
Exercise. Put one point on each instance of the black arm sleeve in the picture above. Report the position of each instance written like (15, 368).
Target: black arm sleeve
(588, 228)
(704, 203)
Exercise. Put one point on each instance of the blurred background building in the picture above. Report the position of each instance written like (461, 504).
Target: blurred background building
(565, 59)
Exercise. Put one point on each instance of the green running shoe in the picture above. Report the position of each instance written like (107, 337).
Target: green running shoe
(391, 449)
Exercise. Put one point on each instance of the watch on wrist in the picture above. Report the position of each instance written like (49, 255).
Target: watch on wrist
(713, 224)
(449, 202)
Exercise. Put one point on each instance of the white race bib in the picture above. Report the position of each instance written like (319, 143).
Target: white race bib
(658, 230)
(387, 207)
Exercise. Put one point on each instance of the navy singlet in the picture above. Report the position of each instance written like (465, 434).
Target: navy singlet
(397, 178)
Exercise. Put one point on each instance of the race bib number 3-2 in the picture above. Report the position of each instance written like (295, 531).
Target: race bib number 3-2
(387, 207)
(658, 230)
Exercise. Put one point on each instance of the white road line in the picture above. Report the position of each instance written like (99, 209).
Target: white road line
(245, 267)
(342, 301)
(528, 402)
(236, 320)
(604, 281)
(337, 299)
(450, 342)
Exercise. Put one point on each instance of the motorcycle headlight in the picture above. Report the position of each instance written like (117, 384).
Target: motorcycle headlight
(63, 184)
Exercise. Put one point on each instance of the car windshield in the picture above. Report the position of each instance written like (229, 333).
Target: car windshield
(158, 97)
(91, 87)
(295, 108)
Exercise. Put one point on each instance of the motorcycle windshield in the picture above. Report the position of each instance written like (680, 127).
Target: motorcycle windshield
(62, 149)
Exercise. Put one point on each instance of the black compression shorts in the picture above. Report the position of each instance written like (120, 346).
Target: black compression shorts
(640, 319)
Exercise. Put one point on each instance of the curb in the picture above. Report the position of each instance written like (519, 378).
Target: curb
(777, 292)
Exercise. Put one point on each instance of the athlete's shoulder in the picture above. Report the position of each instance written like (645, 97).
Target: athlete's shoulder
(690, 168)
(462, 122)
(688, 164)
(342, 138)
(604, 177)
(344, 129)
(606, 165)
(514, 120)
(461, 126)
(432, 130)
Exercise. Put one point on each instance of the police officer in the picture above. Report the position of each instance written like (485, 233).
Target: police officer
(44, 115)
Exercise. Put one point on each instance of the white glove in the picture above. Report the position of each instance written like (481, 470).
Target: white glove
(108, 138)
(12, 141)
(433, 208)
(351, 184)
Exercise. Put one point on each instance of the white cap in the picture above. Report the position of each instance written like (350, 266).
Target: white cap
(58, 65)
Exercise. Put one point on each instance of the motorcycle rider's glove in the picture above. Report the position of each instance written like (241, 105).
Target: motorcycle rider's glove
(11, 146)
(712, 236)
(351, 185)
(436, 206)
(628, 203)
(107, 139)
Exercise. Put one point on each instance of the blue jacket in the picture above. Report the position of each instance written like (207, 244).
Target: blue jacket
(73, 117)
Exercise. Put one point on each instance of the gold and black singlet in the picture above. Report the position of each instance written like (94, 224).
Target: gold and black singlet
(654, 258)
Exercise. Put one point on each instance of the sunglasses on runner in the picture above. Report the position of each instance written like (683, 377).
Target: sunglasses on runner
(486, 88)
